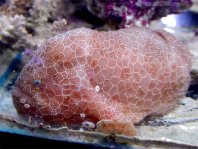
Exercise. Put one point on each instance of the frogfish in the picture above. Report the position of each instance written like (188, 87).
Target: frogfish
(108, 80)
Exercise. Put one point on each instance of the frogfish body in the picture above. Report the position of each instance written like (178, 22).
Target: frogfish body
(114, 78)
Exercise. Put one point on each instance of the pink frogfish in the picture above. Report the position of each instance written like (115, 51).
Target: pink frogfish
(108, 80)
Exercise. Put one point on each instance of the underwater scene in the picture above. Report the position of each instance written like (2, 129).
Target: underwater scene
(119, 74)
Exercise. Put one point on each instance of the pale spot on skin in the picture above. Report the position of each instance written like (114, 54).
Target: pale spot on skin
(82, 115)
(26, 106)
(22, 100)
(97, 88)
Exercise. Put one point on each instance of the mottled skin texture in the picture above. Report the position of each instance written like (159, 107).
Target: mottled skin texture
(120, 76)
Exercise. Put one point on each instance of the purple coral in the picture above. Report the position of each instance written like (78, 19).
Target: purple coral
(126, 13)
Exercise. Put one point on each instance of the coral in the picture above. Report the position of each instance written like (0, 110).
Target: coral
(27, 23)
(20, 7)
(127, 13)
(13, 33)
(89, 76)
(60, 26)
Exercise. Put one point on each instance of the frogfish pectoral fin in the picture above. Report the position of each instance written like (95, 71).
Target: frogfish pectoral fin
(116, 127)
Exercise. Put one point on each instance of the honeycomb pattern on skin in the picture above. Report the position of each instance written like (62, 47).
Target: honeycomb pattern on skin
(122, 76)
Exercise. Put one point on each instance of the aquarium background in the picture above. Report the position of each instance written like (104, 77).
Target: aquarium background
(24, 25)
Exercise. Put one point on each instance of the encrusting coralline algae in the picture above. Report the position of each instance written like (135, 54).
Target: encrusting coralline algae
(127, 13)
(109, 79)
